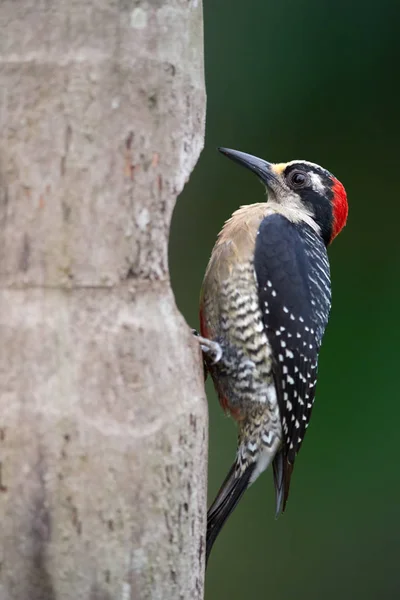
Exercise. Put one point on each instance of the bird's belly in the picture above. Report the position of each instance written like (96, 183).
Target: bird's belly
(241, 381)
(243, 376)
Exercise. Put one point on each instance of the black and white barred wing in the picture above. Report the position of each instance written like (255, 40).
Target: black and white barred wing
(293, 277)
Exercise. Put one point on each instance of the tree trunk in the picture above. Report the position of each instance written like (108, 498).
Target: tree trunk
(103, 422)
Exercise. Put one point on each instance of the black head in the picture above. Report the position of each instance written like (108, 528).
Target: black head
(301, 189)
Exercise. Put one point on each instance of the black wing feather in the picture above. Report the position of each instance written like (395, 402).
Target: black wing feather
(293, 277)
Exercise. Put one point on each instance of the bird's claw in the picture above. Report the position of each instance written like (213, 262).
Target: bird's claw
(212, 349)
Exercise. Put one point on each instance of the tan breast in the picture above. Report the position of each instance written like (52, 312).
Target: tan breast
(230, 314)
(233, 250)
(236, 241)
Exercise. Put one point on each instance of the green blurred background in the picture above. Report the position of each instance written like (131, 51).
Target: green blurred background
(316, 80)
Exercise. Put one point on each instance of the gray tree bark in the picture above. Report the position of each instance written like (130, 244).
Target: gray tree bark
(103, 418)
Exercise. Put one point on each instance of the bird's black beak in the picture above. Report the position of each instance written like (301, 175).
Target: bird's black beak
(260, 167)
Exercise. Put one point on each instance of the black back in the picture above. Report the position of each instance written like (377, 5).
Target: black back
(293, 277)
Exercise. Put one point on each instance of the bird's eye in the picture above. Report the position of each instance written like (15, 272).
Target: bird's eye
(298, 179)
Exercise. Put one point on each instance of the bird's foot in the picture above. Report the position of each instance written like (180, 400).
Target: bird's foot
(212, 349)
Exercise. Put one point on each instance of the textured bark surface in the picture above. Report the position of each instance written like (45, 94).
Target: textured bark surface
(103, 418)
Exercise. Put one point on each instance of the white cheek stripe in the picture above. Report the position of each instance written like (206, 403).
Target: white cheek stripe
(316, 183)
(293, 209)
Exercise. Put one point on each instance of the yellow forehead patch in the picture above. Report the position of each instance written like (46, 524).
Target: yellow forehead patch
(279, 168)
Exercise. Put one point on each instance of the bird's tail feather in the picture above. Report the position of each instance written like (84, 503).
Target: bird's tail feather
(278, 481)
(227, 498)
(282, 474)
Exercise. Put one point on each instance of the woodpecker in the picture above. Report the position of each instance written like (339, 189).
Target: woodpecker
(264, 307)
